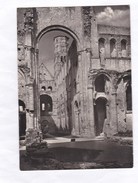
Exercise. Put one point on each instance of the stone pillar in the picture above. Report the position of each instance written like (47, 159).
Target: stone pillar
(29, 28)
(78, 112)
(85, 128)
(84, 121)
(30, 106)
(113, 107)
(89, 98)
(94, 35)
(60, 51)
(37, 92)
(91, 110)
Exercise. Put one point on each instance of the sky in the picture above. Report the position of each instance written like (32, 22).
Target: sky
(107, 15)
(46, 48)
(113, 15)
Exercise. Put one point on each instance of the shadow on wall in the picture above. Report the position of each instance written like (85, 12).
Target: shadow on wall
(71, 83)
(48, 126)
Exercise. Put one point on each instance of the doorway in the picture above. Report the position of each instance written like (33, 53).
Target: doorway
(100, 115)
(22, 120)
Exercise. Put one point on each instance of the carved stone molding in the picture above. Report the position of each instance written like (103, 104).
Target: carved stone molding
(28, 19)
(86, 11)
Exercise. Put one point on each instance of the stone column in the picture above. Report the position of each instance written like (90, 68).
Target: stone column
(113, 108)
(90, 110)
(84, 122)
(37, 91)
(30, 105)
(29, 27)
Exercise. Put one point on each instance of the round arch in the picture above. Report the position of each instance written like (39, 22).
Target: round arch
(60, 28)
(102, 98)
(46, 104)
(107, 76)
(102, 40)
(123, 44)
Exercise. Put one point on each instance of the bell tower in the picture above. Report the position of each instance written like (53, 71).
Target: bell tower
(60, 52)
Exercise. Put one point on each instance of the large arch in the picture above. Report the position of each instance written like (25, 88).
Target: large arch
(63, 121)
(60, 28)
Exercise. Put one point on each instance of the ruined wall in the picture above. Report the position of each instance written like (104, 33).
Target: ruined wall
(105, 29)
(72, 83)
(69, 17)
(73, 92)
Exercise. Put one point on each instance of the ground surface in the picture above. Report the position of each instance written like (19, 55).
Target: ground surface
(80, 154)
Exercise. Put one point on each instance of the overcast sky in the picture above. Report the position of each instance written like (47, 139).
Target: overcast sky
(107, 15)
(113, 15)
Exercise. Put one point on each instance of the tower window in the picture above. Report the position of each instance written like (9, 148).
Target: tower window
(43, 88)
(50, 88)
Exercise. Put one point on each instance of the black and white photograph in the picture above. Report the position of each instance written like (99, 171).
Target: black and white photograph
(74, 87)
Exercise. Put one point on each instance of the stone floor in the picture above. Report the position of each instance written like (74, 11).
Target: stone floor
(81, 153)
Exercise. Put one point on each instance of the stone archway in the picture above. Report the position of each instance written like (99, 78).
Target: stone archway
(46, 104)
(48, 126)
(100, 115)
(63, 61)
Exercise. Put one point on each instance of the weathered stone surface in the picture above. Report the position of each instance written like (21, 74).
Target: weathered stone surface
(32, 137)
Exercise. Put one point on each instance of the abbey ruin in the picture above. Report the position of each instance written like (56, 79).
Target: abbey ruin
(88, 94)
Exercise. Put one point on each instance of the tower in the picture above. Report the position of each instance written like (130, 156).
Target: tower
(61, 43)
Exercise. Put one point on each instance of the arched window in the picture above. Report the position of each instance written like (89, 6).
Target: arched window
(101, 43)
(123, 47)
(100, 83)
(101, 46)
(43, 88)
(113, 52)
(21, 106)
(46, 104)
(50, 88)
(129, 97)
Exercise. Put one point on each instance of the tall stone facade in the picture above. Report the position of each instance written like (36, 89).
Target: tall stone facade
(89, 93)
